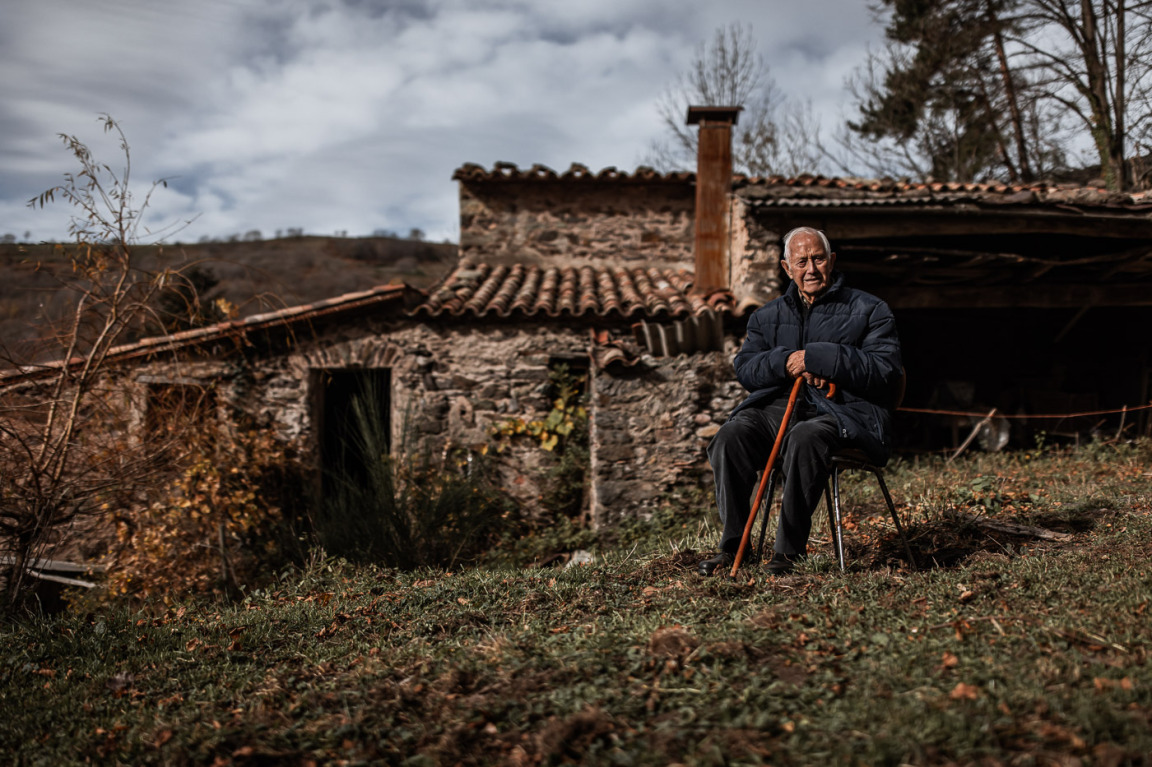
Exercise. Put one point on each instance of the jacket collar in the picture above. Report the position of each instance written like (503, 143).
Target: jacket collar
(792, 293)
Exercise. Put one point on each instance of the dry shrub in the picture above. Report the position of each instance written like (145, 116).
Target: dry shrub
(223, 524)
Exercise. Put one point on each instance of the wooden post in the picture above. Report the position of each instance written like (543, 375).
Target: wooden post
(975, 430)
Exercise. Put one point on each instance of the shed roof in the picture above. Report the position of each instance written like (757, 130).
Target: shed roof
(820, 191)
(237, 332)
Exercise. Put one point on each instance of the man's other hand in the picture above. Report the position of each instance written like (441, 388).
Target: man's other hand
(816, 381)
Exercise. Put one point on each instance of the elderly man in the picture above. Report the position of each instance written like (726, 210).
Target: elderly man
(824, 332)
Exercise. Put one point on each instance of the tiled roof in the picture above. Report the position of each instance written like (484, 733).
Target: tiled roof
(506, 171)
(822, 191)
(238, 330)
(531, 290)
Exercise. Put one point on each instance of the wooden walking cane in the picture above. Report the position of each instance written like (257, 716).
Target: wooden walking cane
(768, 469)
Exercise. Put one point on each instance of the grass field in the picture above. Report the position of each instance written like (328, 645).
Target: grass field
(1003, 648)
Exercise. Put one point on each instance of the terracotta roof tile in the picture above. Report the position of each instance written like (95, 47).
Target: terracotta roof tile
(506, 171)
(531, 290)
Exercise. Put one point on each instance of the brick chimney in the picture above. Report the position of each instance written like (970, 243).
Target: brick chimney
(713, 185)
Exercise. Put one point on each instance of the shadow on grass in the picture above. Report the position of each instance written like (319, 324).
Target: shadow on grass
(954, 540)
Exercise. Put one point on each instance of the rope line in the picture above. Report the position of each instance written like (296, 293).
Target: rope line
(1021, 416)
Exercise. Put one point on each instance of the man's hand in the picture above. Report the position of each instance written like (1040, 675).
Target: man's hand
(796, 368)
(795, 364)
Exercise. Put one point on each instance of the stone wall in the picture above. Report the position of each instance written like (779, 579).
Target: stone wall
(450, 386)
(755, 256)
(577, 223)
(651, 428)
(453, 384)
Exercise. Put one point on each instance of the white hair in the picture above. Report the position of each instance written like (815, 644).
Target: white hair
(805, 230)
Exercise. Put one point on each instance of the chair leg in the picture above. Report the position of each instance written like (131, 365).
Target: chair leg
(765, 512)
(836, 514)
(832, 531)
(896, 519)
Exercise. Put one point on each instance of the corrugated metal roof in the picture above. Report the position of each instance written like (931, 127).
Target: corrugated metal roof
(794, 202)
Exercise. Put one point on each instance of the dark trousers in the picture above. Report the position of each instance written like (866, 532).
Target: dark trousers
(741, 448)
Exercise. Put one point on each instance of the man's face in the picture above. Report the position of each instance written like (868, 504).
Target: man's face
(809, 266)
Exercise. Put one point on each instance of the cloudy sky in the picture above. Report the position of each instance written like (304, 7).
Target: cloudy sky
(350, 115)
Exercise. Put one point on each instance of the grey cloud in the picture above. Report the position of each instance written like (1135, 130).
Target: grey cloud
(352, 114)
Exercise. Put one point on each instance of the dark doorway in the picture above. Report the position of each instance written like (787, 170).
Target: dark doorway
(352, 409)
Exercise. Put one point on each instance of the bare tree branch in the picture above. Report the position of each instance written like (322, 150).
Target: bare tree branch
(772, 135)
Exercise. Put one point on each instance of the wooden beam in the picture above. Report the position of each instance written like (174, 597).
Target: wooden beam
(1012, 296)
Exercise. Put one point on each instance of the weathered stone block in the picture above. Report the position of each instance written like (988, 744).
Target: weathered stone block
(531, 373)
(614, 453)
(461, 382)
(614, 436)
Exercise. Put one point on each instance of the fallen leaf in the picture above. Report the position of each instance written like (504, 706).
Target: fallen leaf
(1103, 683)
(964, 692)
(948, 660)
(672, 641)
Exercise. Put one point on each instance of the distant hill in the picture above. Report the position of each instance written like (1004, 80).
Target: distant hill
(253, 276)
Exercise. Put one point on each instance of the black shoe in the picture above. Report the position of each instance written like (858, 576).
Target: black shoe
(781, 564)
(722, 561)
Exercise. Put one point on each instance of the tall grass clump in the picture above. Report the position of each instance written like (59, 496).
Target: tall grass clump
(402, 510)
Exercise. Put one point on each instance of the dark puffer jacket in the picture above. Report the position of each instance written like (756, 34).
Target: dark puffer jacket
(849, 338)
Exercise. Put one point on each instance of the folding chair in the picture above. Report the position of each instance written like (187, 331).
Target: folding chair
(842, 460)
(847, 459)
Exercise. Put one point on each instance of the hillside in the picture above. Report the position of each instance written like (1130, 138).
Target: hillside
(252, 276)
